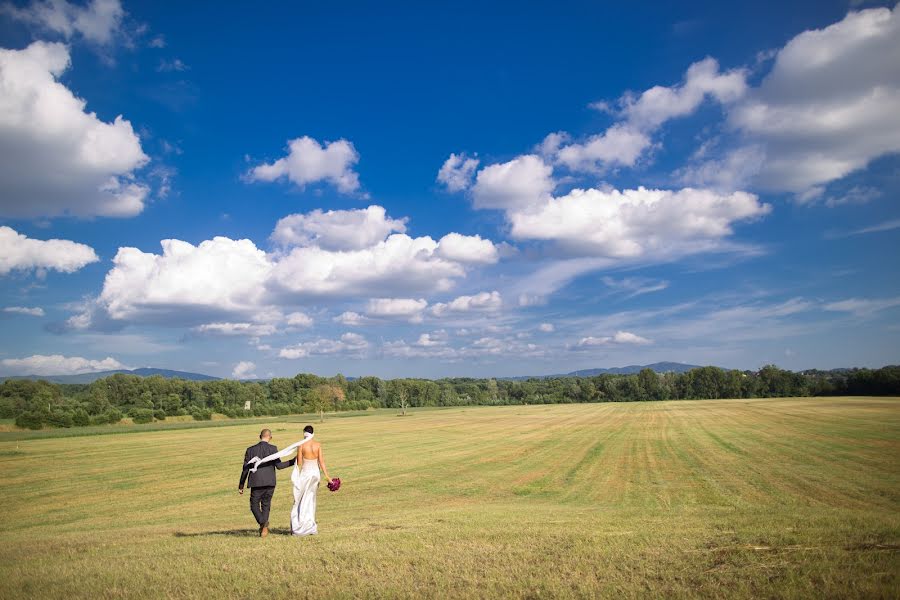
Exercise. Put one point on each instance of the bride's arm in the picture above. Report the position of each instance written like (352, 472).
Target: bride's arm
(322, 464)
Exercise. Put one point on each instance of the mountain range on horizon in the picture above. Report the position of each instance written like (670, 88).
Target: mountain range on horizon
(94, 376)
(660, 367)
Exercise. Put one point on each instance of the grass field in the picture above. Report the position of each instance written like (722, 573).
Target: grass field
(740, 498)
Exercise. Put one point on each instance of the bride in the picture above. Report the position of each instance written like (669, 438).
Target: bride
(306, 483)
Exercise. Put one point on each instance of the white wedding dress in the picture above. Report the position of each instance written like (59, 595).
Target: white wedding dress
(306, 484)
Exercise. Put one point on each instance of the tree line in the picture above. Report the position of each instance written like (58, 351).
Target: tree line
(35, 404)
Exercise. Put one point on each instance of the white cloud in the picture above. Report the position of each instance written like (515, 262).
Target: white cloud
(521, 182)
(308, 161)
(546, 327)
(830, 103)
(57, 364)
(457, 171)
(863, 307)
(733, 171)
(618, 145)
(224, 275)
(225, 280)
(25, 310)
(399, 264)
(234, 329)
(349, 344)
(636, 224)
(44, 129)
(429, 340)
(635, 286)
(484, 301)
(626, 141)
(98, 22)
(244, 370)
(883, 226)
(299, 319)
(703, 80)
(19, 252)
(619, 338)
(350, 318)
(407, 308)
(855, 195)
(337, 229)
(468, 249)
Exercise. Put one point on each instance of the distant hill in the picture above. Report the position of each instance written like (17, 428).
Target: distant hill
(660, 367)
(91, 377)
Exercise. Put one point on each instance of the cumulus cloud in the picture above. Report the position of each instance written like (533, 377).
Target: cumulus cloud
(457, 171)
(56, 364)
(349, 254)
(308, 162)
(521, 182)
(623, 143)
(546, 327)
(44, 128)
(349, 344)
(636, 224)
(350, 318)
(830, 103)
(484, 301)
(299, 319)
(19, 252)
(468, 249)
(398, 264)
(25, 310)
(406, 308)
(337, 229)
(244, 370)
(98, 21)
(217, 275)
(619, 338)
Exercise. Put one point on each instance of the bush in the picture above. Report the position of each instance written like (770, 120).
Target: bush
(112, 416)
(30, 420)
(202, 414)
(60, 418)
(80, 417)
(159, 415)
(141, 415)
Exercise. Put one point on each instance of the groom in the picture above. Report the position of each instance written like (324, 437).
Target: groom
(262, 482)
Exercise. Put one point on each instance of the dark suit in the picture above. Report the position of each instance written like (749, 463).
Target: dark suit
(262, 483)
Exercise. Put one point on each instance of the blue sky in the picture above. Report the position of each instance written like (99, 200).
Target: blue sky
(464, 189)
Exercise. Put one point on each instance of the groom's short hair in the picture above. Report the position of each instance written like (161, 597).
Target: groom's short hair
(265, 433)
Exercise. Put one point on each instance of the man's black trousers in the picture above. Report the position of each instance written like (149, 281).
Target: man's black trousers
(261, 502)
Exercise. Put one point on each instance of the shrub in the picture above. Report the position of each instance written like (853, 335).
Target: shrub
(60, 418)
(202, 414)
(30, 420)
(160, 415)
(113, 415)
(80, 417)
(141, 415)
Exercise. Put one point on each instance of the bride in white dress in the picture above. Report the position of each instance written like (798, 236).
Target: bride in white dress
(306, 480)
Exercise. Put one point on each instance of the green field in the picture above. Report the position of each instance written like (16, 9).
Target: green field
(739, 498)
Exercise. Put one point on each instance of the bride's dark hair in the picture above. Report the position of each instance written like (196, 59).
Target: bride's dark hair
(308, 429)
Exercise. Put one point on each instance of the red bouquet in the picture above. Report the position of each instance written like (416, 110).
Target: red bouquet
(335, 484)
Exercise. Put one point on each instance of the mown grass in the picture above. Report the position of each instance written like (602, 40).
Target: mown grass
(789, 498)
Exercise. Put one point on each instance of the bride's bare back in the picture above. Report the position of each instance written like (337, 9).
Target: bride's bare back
(313, 451)
(310, 450)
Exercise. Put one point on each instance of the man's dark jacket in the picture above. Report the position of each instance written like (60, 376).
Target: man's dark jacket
(265, 474)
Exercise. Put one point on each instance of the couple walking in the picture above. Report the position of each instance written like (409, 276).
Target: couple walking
(260, 462)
